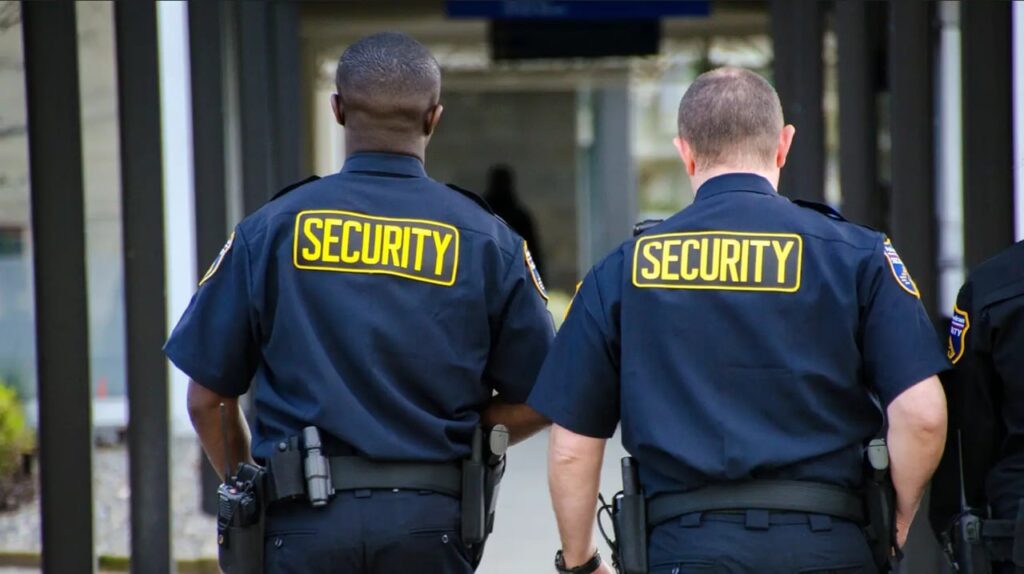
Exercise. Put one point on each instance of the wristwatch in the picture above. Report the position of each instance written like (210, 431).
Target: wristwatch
(587, 567)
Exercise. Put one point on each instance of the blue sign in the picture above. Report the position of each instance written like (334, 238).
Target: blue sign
(577, 9)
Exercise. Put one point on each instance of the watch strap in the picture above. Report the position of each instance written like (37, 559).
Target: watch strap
(587, 567)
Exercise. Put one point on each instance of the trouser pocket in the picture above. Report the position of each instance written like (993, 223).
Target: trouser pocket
(290, 552)
(686, 567)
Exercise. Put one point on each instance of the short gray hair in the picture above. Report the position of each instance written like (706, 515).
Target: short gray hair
(731, 114)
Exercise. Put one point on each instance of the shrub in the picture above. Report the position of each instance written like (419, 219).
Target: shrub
(16, 438)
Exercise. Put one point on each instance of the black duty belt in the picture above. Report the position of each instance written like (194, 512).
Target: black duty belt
(778, 495)
(354, 473)
(1002, 540)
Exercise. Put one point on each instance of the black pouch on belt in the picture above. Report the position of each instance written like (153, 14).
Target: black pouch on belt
(240, 521)
(474, 519)
(629, 519)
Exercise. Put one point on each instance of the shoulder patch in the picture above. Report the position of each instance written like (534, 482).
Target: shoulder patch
(220, 259)
(476, 198)
(534, 272)
(571, 301)
(295, 185)
(958, 327)
(899, 270)
(826, 210)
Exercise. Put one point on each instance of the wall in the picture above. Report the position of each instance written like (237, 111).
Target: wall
(535, 134)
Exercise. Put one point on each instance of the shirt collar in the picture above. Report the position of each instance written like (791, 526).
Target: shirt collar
(729, 182)
(384, 163)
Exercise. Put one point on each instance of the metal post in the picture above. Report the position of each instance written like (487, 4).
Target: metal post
(797, 41)
(988, 129)
(205, 47)
(1018, 116)
(142, 223)
(62, 335)
(287, 91)
(913, 225)
(613, 201)
(857, 38)
(254, 75)
(949, 170)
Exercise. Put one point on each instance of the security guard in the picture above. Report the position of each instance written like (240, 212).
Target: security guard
(379, 306)
(986, 409)
(740, 341)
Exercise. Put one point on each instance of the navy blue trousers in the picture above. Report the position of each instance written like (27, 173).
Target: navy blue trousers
(758, 542)
(367, 532)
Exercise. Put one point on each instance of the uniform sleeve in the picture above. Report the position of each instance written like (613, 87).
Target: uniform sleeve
(214, 342)
(972, 434)
(578, 386)
(899, 345)
(524, 332)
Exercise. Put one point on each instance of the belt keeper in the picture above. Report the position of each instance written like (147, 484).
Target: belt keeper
(819, 522)
(691, 520)
(758, 519)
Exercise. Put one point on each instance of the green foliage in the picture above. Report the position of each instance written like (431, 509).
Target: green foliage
(16, 438)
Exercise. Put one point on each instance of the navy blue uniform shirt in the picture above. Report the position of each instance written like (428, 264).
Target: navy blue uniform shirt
(376, 304)
(986, 393)
(739, 339)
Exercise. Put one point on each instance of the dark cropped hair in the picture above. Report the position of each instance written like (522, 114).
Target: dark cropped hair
(389, 79)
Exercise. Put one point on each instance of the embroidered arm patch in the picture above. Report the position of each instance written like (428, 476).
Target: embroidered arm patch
(220, 259)
(899, 269)
(958, 327)
(534, 272)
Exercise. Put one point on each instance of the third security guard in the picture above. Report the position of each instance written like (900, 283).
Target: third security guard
(739, 343)
(375, 313)
(981, 482)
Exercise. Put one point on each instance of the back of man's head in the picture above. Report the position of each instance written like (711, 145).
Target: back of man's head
(731, 117)
(388, 82)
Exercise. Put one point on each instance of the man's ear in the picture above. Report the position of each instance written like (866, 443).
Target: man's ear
(785, 143)
(686, 154)
(431, 120)
(338, 108)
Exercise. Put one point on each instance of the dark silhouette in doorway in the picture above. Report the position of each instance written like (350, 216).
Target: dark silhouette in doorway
(501, 195)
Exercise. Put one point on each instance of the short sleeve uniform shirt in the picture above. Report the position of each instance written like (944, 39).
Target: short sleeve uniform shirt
(986, 389)
(376, 304)
(740, 339)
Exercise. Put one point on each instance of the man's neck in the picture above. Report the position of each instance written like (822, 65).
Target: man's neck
(356, 144)
(698, 179)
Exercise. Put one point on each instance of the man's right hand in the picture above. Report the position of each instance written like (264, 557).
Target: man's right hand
(916, 437)
(605, 569)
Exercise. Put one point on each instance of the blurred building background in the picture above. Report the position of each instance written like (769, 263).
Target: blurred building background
(906, 117)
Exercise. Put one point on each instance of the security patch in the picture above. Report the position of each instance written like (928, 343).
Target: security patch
(349, 242)
(899, 270)
(571, 301)
(534, 272)
(958, 327)
(719, 260)
(220, 259)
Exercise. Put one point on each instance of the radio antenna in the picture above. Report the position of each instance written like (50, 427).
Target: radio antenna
(960, 457)
(224, 439)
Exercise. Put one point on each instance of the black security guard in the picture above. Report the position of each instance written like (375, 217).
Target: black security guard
(384, 310)
(739, 342)
(986, 415)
